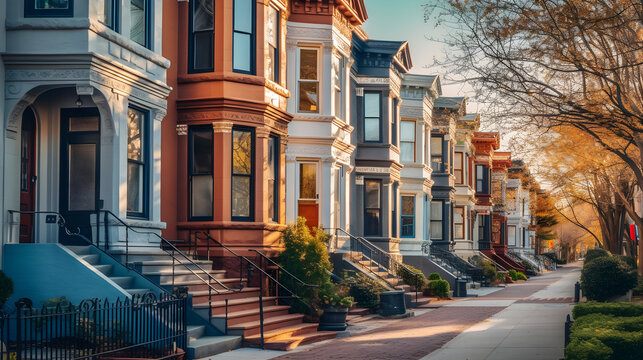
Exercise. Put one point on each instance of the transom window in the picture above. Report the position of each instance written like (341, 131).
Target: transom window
(242, 174)
(458, 222)
(136, 163)
(308, 80)
(200, 172)
(437, 214)
(372, 207)
(201, 41)
(407, 141)
(408, 216)
(458, 167)
(140, 22)
(372, 116)
(49, 8)
(339, 86)
(273, 39)
(243, 37)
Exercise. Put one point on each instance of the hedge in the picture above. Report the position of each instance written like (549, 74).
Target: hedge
(595, 254)
(414, 277)
(606, 277)
(434, 276)
(617, 309)
(440, 288)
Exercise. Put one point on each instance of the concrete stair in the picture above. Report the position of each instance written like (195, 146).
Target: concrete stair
(290, 337)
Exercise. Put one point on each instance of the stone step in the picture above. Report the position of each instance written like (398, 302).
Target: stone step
(200, 285)
(273, 323)
(206, 346)
(92, 259)
(137, 291)
(245, 316)
(122, 281)
(219, 307)
(105, 268)
(182, 275)
(79, 249)
(195, 331)
(165, 265)
(295, 341)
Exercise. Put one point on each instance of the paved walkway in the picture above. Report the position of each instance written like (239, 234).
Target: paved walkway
(523, 321)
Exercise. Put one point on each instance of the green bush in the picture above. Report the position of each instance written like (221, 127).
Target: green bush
(488, 270)
(440, 288)
(592, 349)
(501, 276)
(595, 254)
(621, 323)
(622, 309)
(638, 290)
(528, 265)
(517, 275)
(629, 261)
(364, 290)
(434, 276)
(606, 277)
(6, 288)
(624, 344)
(412, 276)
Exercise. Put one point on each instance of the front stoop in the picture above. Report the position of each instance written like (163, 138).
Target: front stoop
(290, 337)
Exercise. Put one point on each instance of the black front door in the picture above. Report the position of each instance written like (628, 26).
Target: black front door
(79, 170)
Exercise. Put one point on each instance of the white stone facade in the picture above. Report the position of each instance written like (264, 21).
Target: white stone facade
(519, 237)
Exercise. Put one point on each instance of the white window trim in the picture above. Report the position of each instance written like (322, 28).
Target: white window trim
(319, 48)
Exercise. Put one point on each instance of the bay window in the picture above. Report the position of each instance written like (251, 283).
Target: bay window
(308, 80)
(49, 8)
(372, 116)
(242, 174)
(274, 40)
(458, 167)
(108, 13)
(407, 141)
(372, 207)
(137, 164)
(201, 41)
(437, 215)
(482, 179)
(436, 153)
(140, 22)
(458, 222)
(339, 87)
(408, 216)
(200, 172)
(273, 178)
(394, 136)
(511, 235)
(243, 36)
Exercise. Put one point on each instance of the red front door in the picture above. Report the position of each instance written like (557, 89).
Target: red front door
(308, 202)
(27, 175)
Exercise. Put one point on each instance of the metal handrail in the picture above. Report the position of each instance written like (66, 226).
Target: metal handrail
(495, 263)
(284, 270)
(173, 248)
(459, 264)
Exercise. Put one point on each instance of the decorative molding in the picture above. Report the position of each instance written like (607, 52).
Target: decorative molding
(223, 127)
(181, 129)
(262, 132)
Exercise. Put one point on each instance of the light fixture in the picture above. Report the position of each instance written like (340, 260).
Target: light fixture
(79, 102)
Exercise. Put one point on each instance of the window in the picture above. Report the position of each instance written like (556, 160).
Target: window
(372, 207)
(482, 179)
(242, 174)
(511, 236)
(338, 83)
(372, 112)
(200, 172)
(437, 214)
(394, 139)
(436, 153)
(458, 167)
(308, 80)
(408, 216)
(395, 186)
(274, 40)
(427, 147)
(49, 8)
(136, 163)
(108, 13)
(243, 37)
(201, 41)
(458, 222)
(139, 11)
(273, 178)
(407, 141)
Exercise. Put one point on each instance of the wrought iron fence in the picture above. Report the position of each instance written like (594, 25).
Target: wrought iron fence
(142, 327)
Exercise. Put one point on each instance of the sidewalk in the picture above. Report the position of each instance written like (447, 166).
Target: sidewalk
(522, 321)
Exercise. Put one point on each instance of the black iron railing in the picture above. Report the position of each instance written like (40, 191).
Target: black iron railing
(247, 270)
(463, 268)
(52, 217)
(295, 284)
(377, 259)
(142, 327)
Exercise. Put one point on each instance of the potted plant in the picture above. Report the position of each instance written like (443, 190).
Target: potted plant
(335, 310)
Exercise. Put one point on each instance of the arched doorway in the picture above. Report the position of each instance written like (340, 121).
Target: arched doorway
(28, 175)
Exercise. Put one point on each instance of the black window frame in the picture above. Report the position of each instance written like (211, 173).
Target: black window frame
(275, 188)
(253, 39)
(191, 130)
(395, 139)
(148, 23)
(251, 193)
(402, 216)
(192, 34)
(431, 220)
(379, 230)
(146, 156)
(364, 117)
(394, 188)
(32, 12)
(483, 179)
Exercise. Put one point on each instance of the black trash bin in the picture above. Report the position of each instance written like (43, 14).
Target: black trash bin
(460, 288)
(392, 303)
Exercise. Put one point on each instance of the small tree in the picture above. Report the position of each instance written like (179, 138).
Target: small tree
(6, 288)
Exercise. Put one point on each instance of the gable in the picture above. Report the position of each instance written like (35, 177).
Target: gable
(403, 57)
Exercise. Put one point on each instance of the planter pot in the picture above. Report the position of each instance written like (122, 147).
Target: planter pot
(333, 319)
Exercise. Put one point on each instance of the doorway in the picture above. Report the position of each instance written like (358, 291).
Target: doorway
(308, 200)
(27, 175)
(79, 170)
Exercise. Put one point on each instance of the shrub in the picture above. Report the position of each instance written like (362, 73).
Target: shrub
(501, 276)
(528, 265)
(638, 290)
(516, 275)
(6, 288)
(488, 270)
(617, 309)
(595, 254)
(629, 261)
(621, 323)
(592, 349)
(606, 277)
(364, 290)
(440, 288)
(624, 344)
(306, 257)
(434, 276)
(412, 276)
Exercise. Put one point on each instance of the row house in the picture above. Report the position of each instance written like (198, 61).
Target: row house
(520, 237)
(465, 196)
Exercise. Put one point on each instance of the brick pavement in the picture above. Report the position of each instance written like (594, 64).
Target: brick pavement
(416, 337)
